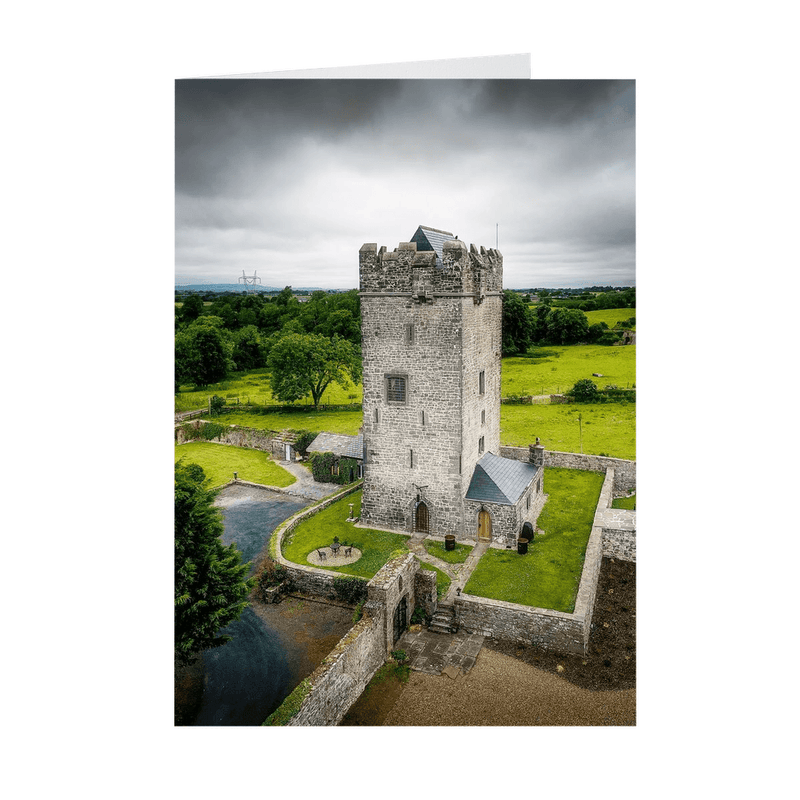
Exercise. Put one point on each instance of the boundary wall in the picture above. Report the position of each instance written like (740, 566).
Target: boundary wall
(344, 674)
(624, 470)
(551, 630)
(252, 438)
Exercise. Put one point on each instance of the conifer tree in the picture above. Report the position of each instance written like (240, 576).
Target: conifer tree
(211, 584)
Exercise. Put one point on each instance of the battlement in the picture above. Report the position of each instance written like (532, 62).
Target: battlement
(408, 271)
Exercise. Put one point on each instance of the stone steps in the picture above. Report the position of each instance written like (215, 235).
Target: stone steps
(444, 620)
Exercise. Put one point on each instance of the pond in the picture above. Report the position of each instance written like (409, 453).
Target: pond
(274, 646)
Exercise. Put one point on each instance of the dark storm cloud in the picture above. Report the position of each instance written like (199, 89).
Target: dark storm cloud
(291, 177)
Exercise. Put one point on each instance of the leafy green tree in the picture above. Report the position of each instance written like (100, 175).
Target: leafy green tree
(585, 391)
(211, 584)
(248, 349)
(567, 326)
(518, 324)
(192, 308)
(203, 352)
(303, 364)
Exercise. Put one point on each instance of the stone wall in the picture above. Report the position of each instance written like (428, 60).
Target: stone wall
(269, 441)
(551, 630)
(307, 580)
(624, 471)
(619, 544)
(425, 591)
(345, 672)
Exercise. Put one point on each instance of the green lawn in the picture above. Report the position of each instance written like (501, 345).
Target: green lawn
(611, 316)
(347, 422)
(318, 531)
(555, 370)
(252, 387)
(608, 428)
(628, 503)
(220, 461)
(548, 576)
(457, 556)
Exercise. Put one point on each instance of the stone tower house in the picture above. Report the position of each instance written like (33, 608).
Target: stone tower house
(431, 315)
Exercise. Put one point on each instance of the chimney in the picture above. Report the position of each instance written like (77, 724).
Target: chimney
(536, 454)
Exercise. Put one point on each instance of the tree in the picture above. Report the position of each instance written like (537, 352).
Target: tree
(303, 364)
(203, 352)
(248, 350)
(192, 308)
(518, 324)
(567, 326)
(211, 586)
(585, 391)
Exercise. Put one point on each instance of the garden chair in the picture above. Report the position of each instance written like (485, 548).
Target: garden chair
(321, 555)
(348, 550)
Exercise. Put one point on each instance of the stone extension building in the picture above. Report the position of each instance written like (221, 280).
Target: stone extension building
(431, 313)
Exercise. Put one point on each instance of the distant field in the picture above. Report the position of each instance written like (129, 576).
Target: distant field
(346, 422)
(558, 369)
(220, 461)
(608, 429)
(611, 316)
(253, 387)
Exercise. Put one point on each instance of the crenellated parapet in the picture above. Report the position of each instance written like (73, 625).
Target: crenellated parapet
(405, 270)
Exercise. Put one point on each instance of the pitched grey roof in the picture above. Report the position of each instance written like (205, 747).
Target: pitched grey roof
(431, 239)
(500, 480)
(338, 444)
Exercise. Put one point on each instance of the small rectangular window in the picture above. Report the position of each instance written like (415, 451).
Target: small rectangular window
(528, 501)
(423, 417)
(395, 388)
(483, 417)
(480, 445)
(482, 383)
(410, 333)
(376, 415)
(411, 460)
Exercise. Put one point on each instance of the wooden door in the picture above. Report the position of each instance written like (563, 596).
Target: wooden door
(421, 524)
(484, 527)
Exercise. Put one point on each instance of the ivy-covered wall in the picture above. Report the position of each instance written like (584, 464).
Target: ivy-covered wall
(323, 468)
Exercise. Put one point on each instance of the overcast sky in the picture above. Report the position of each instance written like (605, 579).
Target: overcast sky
(290, 177)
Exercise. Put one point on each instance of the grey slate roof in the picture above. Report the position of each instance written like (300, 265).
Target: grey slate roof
(431, 239)
(500, 480)
(338, 444)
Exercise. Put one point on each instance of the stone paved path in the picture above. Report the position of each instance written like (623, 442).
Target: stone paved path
(306, 486)
(458, 573)
(439, 653)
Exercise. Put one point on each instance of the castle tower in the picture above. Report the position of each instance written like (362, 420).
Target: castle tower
(431, 344)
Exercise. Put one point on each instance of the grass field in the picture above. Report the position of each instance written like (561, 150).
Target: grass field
(318, 531)
(220, 461)
(347, 422)
(608, 429)
(611, 316)
(555, 370)
(253, 387)
(549, 575)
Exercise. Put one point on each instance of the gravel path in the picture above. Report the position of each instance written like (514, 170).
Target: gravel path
(501, 690)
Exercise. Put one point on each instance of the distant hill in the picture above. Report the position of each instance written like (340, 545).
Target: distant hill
(239, 287)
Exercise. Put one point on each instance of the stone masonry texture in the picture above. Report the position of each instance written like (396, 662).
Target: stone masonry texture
(438, 329)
